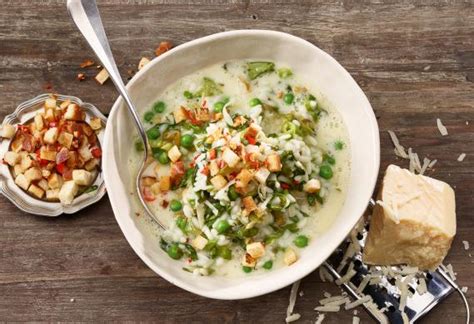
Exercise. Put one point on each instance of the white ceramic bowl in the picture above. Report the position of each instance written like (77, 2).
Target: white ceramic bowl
(307, 61)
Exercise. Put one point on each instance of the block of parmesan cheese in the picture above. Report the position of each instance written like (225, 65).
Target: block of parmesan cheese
(413, 223)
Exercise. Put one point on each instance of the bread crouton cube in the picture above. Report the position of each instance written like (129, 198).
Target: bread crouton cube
(199, 242)
(82, 177)
(39, 122)
(36, 191)
(67, 192)
(95, 123)
(290, 256)
(243, 179)
(143, 61)
(55, 181)
(46, 154)
(22, 181)
(33, 174)
(249, 204)
(12, 158)
(255, 249)
(261, 175)
(248, 261)
(155, 188)
(213, 168)
(179, 115)
(165, 183)
(218, 182)
(17, 170)
(102, 76)
(52, 194)
(50, 114)
(43, 184)
(174, 154)
(91, 164)
(64, 104)
(8, 131)
(50, 103)
(51, 135)
(148, 181)
(65, 139)
(230, 157)
(26, 162)
(46, 173)
(312, 186)
(74, 112)
(85, 153)
(273, 162)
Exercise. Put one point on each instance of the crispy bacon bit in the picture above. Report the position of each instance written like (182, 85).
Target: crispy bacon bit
(163, 47)
(96, 152)
(87, 63)
(148, 195)
(165, 203)
(212, 154)
(177, 171)
(67, 174)
(62, 155)
(27, 144)
(284, 185)
(205, 171)
(81, 77)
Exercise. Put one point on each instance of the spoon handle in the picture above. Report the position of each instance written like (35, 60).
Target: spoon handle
(85, 15)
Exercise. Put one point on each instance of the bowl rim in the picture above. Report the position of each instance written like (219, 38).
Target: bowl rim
(225, 294)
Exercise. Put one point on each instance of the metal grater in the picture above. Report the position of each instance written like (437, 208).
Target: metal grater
(385, 294)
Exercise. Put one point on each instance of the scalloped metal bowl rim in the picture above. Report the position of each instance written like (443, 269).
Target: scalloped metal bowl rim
(56, 208)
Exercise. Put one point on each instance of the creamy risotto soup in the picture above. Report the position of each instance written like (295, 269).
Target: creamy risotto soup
(248, 166)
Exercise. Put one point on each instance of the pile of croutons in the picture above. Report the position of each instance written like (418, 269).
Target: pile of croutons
(56, 156)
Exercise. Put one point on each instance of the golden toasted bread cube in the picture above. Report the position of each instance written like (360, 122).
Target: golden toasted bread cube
(290, 256)
(273, 162)
(50, 114)
(26, 162)
(67, 192)
(102, 76)
(55, 181)
(312, 186)
(230, 157)
(174, 154)
(36, 191)
(17, 170)
(199, 242)
(165, 183)
(218, 182)
(12, 158)
(22, 181)
(51, 135)
(243, 179)
(65, 139)
(33, 174)
(50, 103)
(52, 194)
(148, 181)
(213, 168)
(248, 261)
(179, 115)
(91, 164)
(39, 122)
(155, 188)
(249, 204)
(95, 123)
(255, 249)
(48, 155)
(85, 153)
(43, 184)
(64, 104)
(74, 112)
(143, 61)
(8, 131)
(82, 177)
(46, 173)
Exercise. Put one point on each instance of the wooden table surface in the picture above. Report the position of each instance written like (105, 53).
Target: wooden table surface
(414, 62)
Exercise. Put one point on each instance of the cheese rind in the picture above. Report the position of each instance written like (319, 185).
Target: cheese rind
(413, 223)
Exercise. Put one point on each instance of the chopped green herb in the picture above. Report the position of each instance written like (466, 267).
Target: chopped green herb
(284, 73)
(256, 69)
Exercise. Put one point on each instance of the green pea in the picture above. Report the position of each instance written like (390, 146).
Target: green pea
(159, 107)
(268, 265)
(225, 253)
(153, 133)
(163, 157)
(301, 241)
(187, 141)
(254, 102)
(329, 159)
(232, 193)
(288, 98)
(246, 269)
(218, 106)
(149, 116)
(176, 205)
(325, 172)
(175, 252)
(222, 226)
(187, 94)
(339, 145)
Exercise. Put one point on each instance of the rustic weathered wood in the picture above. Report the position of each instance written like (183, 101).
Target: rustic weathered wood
(414, 61)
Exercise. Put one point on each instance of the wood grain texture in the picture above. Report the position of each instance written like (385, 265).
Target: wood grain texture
(415, 62)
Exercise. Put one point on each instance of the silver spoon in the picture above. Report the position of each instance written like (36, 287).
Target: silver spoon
(87, 19)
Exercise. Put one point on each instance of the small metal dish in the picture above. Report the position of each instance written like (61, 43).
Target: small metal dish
(23, 114)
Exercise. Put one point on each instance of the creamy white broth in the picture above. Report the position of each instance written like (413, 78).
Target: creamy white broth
(329, 130)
